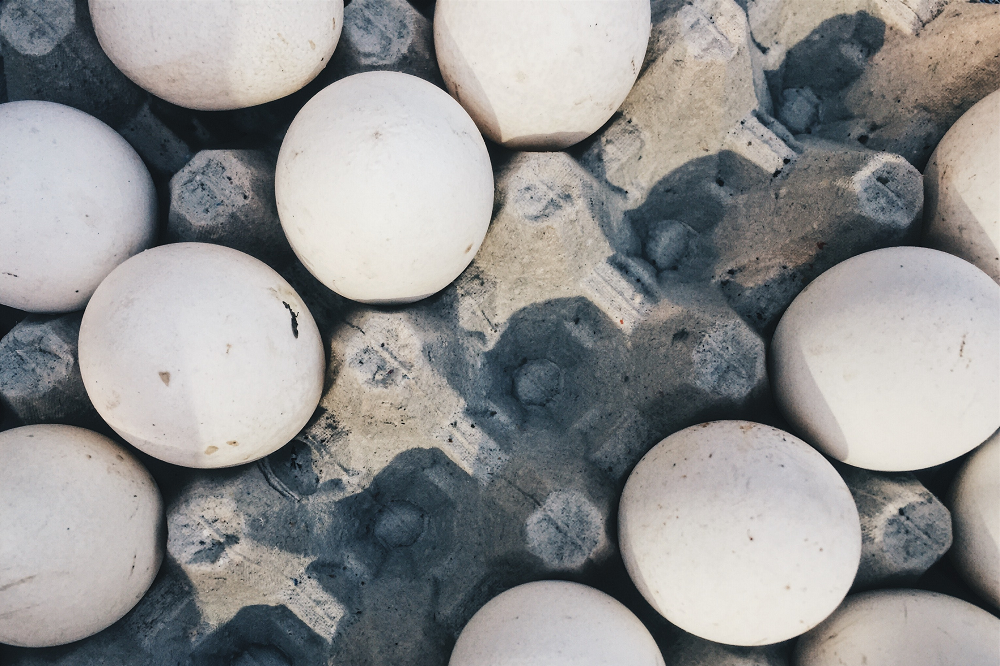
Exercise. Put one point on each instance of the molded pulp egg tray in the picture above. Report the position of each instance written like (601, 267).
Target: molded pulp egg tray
(627, 288)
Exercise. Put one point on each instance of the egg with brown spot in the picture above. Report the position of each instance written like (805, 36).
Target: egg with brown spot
(245, 357)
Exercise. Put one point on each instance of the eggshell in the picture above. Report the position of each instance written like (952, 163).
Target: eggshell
(962, 185)
(902, 628)
(540, 74)
(219, 54)
(81, 534)
(384, 187)
(888, 361)
(739, 533)
(201, 355)
(975, 520)
(555, 623)
(75, 201)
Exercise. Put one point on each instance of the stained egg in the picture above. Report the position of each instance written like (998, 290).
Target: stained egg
(201, 355)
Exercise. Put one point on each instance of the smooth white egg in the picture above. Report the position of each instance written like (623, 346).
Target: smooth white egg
(384, 187)
(75, 201)
(902, 628)
(213, 55)
(201, 355)
(962, 185)
(81, 534)
(975, 520)
(888, 361)
(739, 533)
(555, 623)
(540, 74)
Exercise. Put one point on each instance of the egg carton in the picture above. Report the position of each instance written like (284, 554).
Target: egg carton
(627, 288)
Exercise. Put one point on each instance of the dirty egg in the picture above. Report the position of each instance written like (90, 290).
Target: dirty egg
(190, 305)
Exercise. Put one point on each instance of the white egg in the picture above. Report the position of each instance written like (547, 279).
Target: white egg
(902, 628)
(201, 355)
(81, 534)
(555, 623)
(975, 520)
(540, 74)
(75, 201)
(962, 185)
(219, 54)
(888, 361)
(384, 187)
(739, 533)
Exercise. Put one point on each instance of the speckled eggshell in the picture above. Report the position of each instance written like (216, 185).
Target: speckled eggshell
(888, 361)
(540, 74)
(962, 188)
(975, 520)
(555, 623)
(213, 55)
(75, 201)
(81, 534)
(384, 187)
(902, 628)
(201, 355)
(739, 533)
